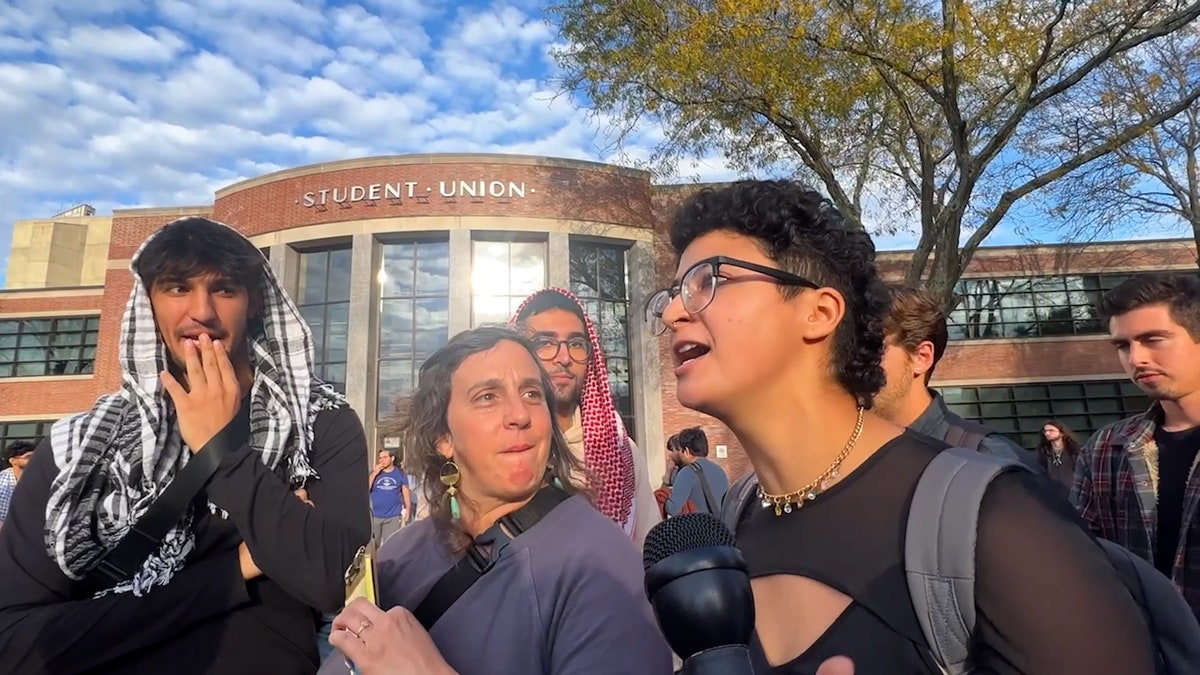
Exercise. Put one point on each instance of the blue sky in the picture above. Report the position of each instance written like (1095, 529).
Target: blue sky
(126, 103)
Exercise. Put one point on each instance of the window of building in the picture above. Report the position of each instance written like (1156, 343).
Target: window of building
(503, 273)
(23, 431)
(1024, 307)
(1020, 410)
(48, 346)
(414, 316)
(324, 302)
(598, 278)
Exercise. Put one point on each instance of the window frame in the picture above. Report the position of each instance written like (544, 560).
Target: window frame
(24, 338)
(322, 363)
(387, 356)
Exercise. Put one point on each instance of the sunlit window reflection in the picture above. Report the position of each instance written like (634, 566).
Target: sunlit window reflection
(414, 314)
(503, 274)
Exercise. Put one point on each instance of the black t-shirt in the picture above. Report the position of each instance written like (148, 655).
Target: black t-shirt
(207, 620)
(1049, 602)
(1176, 454)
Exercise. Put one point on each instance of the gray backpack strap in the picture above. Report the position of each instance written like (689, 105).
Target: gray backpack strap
(962, 437)
(736, 497)
(939, 549)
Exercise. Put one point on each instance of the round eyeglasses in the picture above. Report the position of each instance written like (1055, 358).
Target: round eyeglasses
(698, 287)
(547, 348)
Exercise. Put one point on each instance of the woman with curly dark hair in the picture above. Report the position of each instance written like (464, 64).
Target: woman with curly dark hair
(775, 320)
(1056, 453)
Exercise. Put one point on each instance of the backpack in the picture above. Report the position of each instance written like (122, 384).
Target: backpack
(663, 494)
(939, 561)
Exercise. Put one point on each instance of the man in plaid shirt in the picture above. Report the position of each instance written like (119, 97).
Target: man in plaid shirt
(14, 459)
(1135, 481)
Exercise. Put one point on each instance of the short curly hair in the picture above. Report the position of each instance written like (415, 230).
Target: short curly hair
(803, 233)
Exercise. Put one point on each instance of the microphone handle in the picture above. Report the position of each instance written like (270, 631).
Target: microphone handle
(724, 660)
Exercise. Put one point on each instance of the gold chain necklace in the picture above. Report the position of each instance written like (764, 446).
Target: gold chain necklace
(784, 503)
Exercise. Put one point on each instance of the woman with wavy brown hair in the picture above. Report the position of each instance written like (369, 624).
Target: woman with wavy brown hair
(1056, 453)
(557, 593)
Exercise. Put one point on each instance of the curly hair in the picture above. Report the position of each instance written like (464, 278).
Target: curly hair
(803, 233)
(423, 422)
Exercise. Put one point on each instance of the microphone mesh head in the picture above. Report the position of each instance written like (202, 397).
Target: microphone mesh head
(684, 533)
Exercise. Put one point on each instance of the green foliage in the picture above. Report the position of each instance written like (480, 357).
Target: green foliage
(910, 114)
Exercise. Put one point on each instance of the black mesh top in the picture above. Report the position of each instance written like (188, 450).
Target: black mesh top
(1049, 602)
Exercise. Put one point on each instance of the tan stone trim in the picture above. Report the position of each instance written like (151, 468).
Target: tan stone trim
(119, 264)
(72, 220)
(151, 211)
(422, 224)
(986, 252)
(33, 417)
(45, 378)
(986, 382)
(433, 160)
(1095, 337)
(43, 314)
(39, 293)
(1083, 269)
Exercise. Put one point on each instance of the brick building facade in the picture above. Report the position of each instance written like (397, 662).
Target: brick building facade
(388, 257)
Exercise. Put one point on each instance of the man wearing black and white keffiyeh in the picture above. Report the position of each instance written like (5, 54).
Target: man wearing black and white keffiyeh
(212, 351)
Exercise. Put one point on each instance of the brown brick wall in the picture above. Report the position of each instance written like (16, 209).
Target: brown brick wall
(38, 398)
(1061, 259)
(550, 192)
(130, 230)
(1049, 359)
(84, 304)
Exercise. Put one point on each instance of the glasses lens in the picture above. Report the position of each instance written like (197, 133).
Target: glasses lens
(546, 349)
(654, 311)
(697, 288)
(578, 349)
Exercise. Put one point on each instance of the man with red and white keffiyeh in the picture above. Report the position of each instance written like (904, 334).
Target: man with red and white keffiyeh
(567, 344)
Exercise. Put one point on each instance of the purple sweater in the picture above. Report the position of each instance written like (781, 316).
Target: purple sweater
(567, 598)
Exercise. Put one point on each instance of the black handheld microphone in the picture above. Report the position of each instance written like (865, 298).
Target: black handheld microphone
(698, 586)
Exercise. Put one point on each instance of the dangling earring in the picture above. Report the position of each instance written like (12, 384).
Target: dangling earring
(450, 477)
(554, 478)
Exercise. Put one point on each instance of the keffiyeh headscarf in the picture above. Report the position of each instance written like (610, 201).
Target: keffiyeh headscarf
(607, 453)
(115, 460)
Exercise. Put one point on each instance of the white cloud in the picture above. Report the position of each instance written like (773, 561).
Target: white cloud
(124, 43)
(123, 103)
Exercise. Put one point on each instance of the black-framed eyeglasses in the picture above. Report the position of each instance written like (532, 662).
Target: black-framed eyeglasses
(547, 348)
(698, 287)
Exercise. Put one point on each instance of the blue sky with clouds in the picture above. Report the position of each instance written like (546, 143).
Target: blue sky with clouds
(126, 103)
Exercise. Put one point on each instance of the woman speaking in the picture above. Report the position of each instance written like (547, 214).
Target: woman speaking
(514, 571)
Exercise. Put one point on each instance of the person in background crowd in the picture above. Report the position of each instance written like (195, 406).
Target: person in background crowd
(414, 493)
(216, 366)
(14, 458)
(1056, 453)
(1135, 480)
(775, 321)
(391, 500)
(695, 473)
(564, 596)
(663, 492)
(915, 337)
(570, 351)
